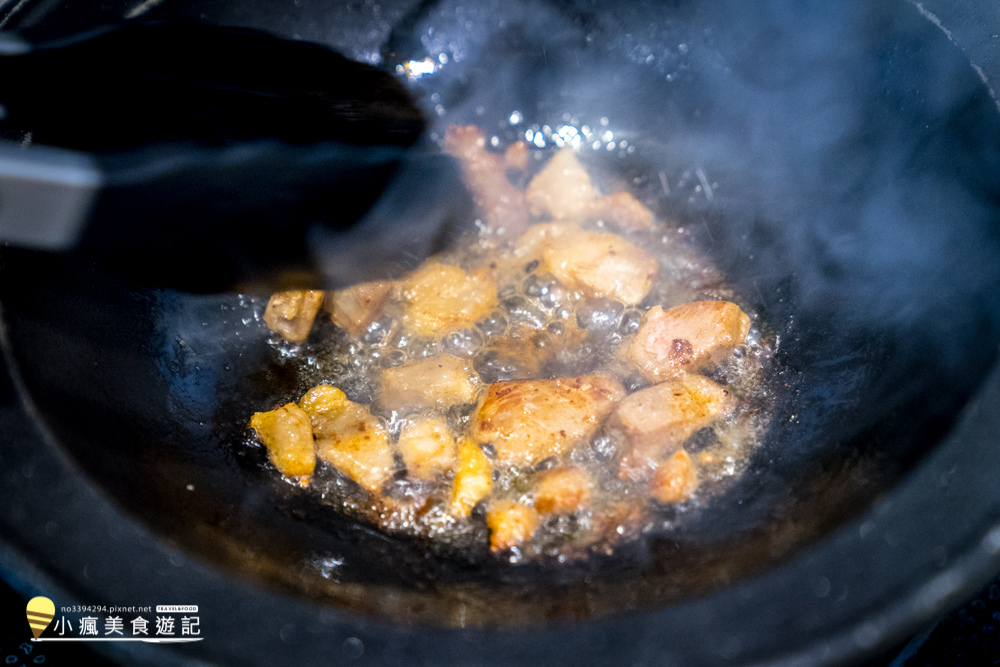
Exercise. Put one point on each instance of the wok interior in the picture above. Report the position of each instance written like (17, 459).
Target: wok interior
(856, 159)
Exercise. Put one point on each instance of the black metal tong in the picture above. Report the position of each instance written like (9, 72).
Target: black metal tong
(186, 155)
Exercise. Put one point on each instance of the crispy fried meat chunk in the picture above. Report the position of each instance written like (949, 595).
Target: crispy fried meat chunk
(473, 480)
(441, 298)
(599, 264)
(511, 524)
(675, 479)
(516, 156)
(355, 308)
(357, 444)
(287, 434)
(527, 421)
(438, 382)
(562, 189)
(657, 420)
(323, 401)
(291, 314)
(689, 337)
(428, 447)
(562, 490)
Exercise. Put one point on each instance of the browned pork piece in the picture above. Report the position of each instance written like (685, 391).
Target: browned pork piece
(427, 446)
(441, 298)
(599, 264)
(562, 189)
(291, 314)
(323, 401)
(516, 156)
(602, 265)
(356, 444)
(501, 203)
(533, 242)
(438, 382)
(623, 210)
(562, 490)
(657, 420)
(473, 480)
(527, 421)
(511, 524)
(356, 307)
(288, 436)
(675, 479)
(689, 337)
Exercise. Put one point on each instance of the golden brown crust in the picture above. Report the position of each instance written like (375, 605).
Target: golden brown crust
(562, 490)
(428, 448)
(473, 480)
(562, 189)
(291, 314)
(657, 420)
(536, 454)
(601, 264)
(441, 298)
(355, 308)
(529, 420)
(356, 444)
(516, 156)
(323, 399)
(688, 338)
(596, 263)
(287, 434)
(438, 382)
(675, 479)
(511, 524)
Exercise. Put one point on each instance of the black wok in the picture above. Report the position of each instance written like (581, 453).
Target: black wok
(841, 165)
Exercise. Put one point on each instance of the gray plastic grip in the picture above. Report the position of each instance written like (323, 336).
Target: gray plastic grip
(45, 195)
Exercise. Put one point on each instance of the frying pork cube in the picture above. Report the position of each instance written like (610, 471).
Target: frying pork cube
(675, 479)
(438, 382)
(516, 156)
(473, 480)
(427, 446)
(599, 264)
(623, 210)
(562, 189)
(483, 173)
(689, 337)
(288, 436)
(532, 243)
(291, 314)
(356, 444)
(441, 298)
(355, 308)
(657, 420)
(562, 490)
(527, 421)
(323, 401)
(511, 524)
(604, 265)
